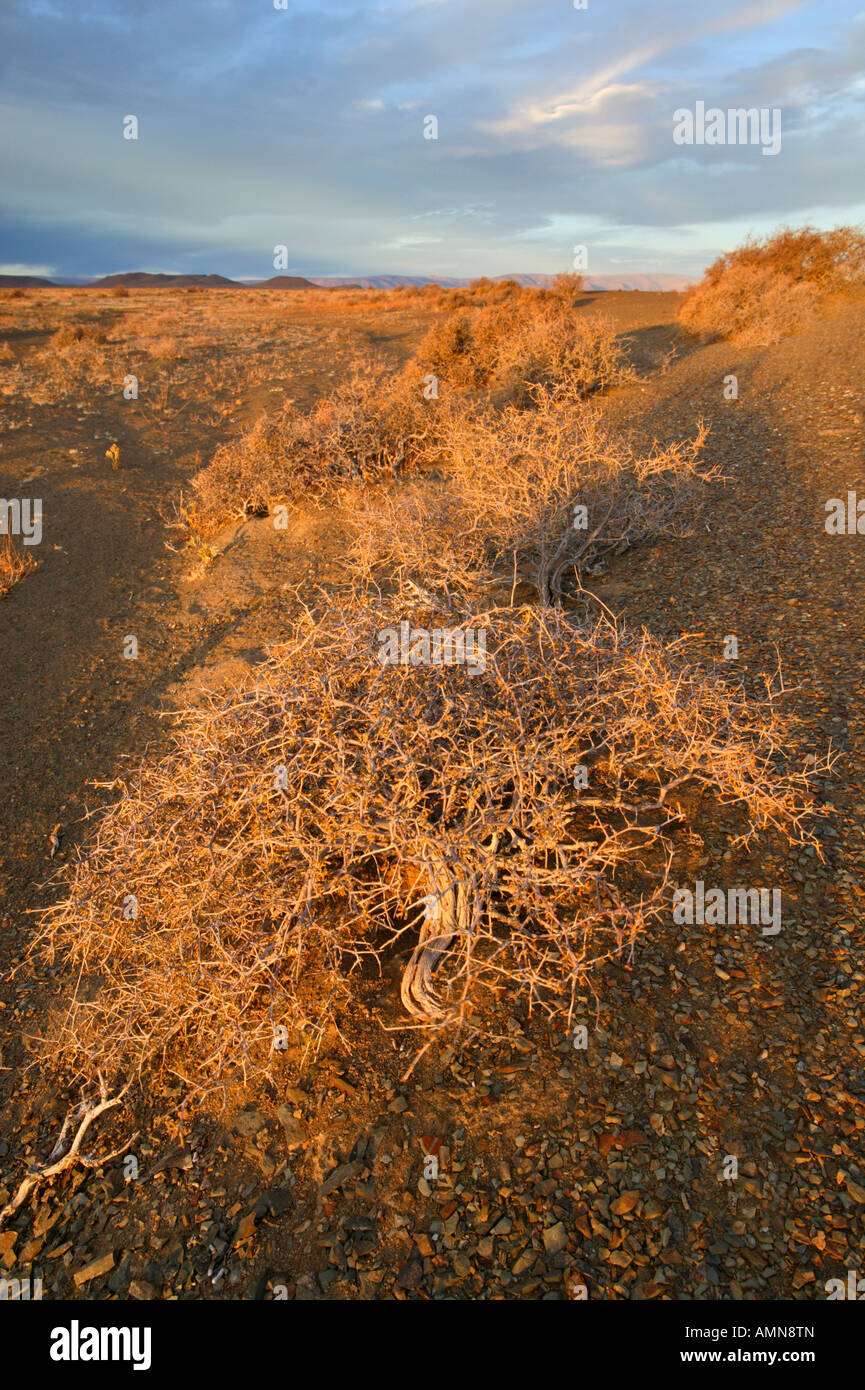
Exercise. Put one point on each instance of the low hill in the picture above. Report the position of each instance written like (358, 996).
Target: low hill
(284, 282)
(143, 279)
(14, 282)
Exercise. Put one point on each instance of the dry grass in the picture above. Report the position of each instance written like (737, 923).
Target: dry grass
(765, 290)
(333, 812)
(200, 352)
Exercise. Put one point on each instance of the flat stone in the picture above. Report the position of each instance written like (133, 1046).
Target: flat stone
(92, 1271)
(555, 1238)
(339, 1176)
(249, 1122)
(140, 1289)
(410, 1274)
(296, 1132)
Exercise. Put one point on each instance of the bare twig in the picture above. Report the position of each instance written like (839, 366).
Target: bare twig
(63, 1157)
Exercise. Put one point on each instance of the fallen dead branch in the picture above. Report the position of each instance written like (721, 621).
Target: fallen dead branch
(67, 1153)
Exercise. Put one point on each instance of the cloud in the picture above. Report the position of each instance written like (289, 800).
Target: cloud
(559, 107)
(305, 128)
(20, 268)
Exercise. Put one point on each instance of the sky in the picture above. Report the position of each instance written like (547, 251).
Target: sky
(303, 127)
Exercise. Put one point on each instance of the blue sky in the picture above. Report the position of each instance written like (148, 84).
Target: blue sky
(304, 127)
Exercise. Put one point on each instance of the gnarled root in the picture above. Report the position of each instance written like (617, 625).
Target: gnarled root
(447, 914)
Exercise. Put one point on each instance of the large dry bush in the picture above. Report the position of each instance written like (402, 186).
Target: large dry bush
(767, 289)
(529, 493)
(335, 811)
(374, 426)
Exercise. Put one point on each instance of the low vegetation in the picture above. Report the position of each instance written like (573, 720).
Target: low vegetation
(372, 427)
(769, 288)
(528, 495)
(14, 564)
(511, 347)
(490, 829)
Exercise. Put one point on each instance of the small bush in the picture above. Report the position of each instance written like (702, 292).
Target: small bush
(373, 427)
(449, 351)
(568, 286)
(513, 480)
(67, 335)
(14, 564)
(165, 349)
(509, 346)
(71, 334)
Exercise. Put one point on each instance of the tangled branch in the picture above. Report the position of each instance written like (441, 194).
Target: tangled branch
(508, 829)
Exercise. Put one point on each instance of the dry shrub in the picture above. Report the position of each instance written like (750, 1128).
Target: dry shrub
(765, 290)
(485, 291)
(75, 361)
(831, 260)
(14, 564)
(67, 335)
(580, 354)
(372, 427)
(335, 810)
(751, 305)
(508, 502)
(165, 349)
(450, 353)
(568, 286)
(509, 346)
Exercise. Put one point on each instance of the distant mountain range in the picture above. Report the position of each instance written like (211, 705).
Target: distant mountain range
(592, 282)
(143, 279)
